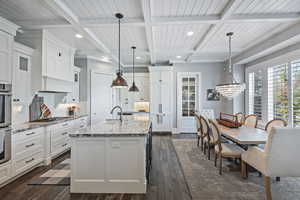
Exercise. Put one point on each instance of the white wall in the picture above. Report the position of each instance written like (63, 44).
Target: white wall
(211, 75)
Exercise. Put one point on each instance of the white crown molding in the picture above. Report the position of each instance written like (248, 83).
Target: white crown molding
(8, 26)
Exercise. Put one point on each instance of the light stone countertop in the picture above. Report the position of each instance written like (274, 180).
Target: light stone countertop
(29, 125)
(115, 128)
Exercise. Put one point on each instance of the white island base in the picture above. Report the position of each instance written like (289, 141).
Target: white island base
(108, 165)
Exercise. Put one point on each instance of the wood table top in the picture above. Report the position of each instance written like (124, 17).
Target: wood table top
(244, 135)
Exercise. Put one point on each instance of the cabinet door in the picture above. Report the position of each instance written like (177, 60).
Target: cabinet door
(51, 56)
(76, 87)
(21, 77)
(5, 57)
(64, 68)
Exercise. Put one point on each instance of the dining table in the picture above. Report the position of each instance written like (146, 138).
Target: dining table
(244, 135)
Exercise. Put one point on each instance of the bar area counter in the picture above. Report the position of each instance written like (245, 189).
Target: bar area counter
(111, 157)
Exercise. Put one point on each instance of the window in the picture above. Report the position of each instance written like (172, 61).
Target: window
(278, 103)
(255, 93)
(296, 92)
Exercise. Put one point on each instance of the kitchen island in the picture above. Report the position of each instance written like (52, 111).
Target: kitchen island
(111, 157)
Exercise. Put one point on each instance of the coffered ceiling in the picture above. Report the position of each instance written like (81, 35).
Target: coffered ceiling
(164, 31)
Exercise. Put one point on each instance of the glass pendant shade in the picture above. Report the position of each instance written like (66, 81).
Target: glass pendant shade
(233, 89)
(134, 88)
(119, 82)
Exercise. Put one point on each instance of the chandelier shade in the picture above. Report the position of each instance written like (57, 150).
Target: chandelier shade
(119, 82)
(232, 89)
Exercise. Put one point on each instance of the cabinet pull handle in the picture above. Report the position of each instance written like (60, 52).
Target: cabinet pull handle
(82, 119)
(29, 145)
(66, 124)
(81, 126)
(64, 133)
(64, 145)
(160, 108)
(30, 133)
(28, 161)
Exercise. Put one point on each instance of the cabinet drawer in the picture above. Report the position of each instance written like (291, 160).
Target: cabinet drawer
(21, 148)
(59, 146)
(5, 172)
(23, 164)
(28, 134)
(64, 125)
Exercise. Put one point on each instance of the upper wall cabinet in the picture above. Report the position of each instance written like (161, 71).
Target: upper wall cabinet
(7, 33)
(52, 62)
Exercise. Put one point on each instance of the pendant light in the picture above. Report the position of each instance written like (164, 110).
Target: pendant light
(133, 88)
(119, 82)
(232, 89)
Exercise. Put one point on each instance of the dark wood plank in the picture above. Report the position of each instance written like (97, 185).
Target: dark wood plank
(167, 181)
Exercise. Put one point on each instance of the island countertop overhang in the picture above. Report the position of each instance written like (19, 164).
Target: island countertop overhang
(115, 128)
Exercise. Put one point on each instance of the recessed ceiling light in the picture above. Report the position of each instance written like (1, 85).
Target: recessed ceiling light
(138, 57)
(190, 33)
(78, 35)
(178, 56)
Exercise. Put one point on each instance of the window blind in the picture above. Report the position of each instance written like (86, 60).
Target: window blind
(296, 92)
(255, 93)
(278, 104)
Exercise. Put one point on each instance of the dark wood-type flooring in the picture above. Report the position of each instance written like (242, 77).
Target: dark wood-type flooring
(167, 181)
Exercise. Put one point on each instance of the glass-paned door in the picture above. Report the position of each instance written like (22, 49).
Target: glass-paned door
(188, 101)
(188, 96)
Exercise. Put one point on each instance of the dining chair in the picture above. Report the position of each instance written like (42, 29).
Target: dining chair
(204, 132)
(240, 117)
(250, 121)
(273, 123)
(223, 150)
(198, 128)
(278, 159)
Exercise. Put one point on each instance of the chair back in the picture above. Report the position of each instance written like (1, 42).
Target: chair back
(198, 124)
(215, 133)
(282, 152)
(204, 126)
(240, 117)
(250, 121)
(207, 113)
(275, 122)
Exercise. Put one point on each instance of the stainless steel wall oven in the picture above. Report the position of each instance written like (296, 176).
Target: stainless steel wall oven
(5, 105)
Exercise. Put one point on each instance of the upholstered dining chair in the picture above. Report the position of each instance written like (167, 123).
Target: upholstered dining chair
(223, 150)
(240, 117)
(275, 122)
(250, 121)
(278, 159)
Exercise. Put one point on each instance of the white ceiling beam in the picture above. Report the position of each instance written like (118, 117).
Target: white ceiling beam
(206, 19)
(146, 7)
(213, 29)
(95, 22)
(63, 10)
(265, 47)
(286, 17)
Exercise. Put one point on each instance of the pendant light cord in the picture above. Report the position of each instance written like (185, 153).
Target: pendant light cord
(119, 45)
(133, 63)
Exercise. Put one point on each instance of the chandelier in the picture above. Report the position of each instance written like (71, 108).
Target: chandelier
(233, 89)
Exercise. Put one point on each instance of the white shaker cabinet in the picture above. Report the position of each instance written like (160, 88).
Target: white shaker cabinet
(161, 98)
(21, 82)
(52, 61)
(7, 32)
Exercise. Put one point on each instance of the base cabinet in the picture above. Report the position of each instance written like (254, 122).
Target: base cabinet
(5, 172)
(108, 165)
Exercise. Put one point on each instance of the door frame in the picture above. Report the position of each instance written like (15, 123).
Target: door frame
(179, 95)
